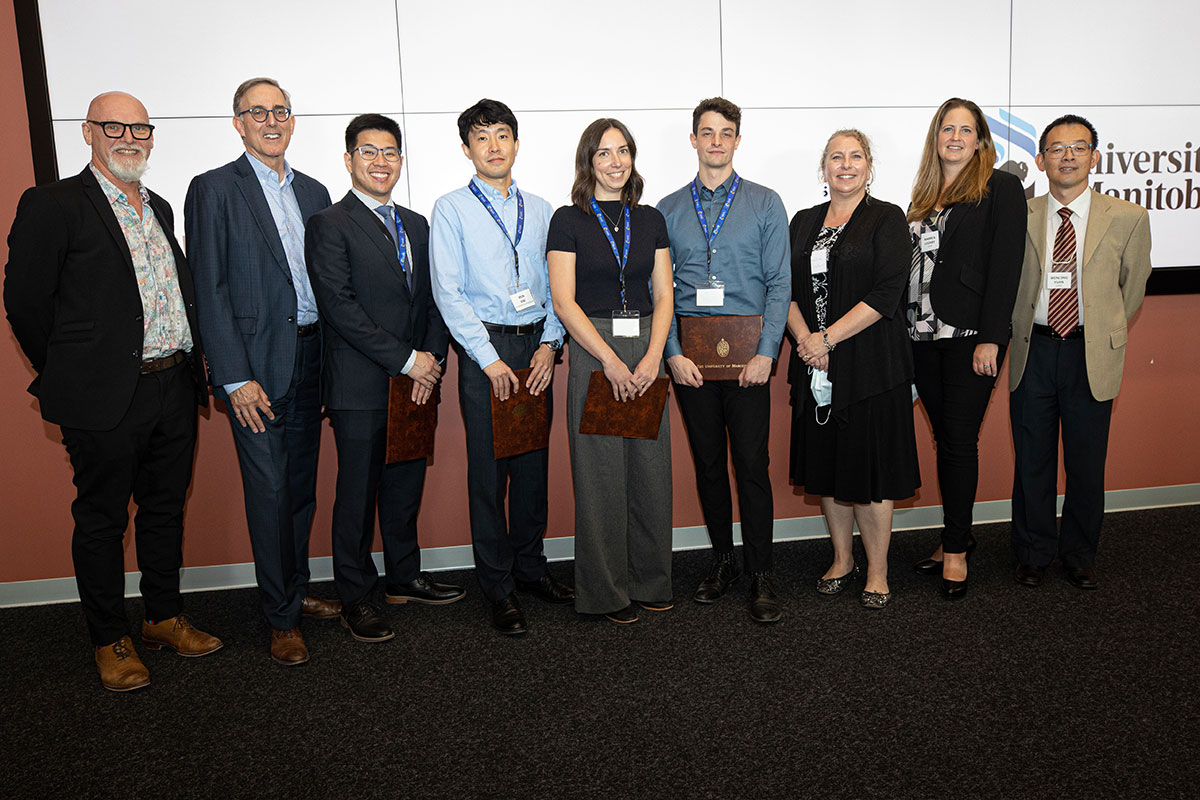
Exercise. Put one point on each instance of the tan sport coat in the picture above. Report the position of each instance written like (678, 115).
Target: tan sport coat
(1116, 264)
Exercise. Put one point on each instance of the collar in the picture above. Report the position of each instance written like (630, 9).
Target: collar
(1080, 206)
(112, 192)
(492, 193)
(371, 202)
(725, 185)
(266, 175)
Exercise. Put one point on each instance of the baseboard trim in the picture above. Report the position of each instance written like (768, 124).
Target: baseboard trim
(435, 559)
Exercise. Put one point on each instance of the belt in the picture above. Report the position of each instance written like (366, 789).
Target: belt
(1046, 330)
(307, 330)
(160, 364)
(534, 329)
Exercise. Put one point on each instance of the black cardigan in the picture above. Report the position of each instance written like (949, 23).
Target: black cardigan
(870, 262)
(979, 261)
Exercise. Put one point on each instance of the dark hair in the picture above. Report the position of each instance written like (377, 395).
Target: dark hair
(1068, 119)
(249, 84)
(371, 122)
(484, 113)
(723, 107)
(585, 174)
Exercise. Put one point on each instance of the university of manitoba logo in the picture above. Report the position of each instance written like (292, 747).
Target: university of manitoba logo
(723, 349)
(1017, 157)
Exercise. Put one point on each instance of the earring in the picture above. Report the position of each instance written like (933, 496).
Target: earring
(868, 188)
(825, 190)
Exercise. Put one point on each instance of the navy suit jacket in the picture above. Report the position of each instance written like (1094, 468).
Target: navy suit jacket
(373, 322)
(72, 297)
(244, 289)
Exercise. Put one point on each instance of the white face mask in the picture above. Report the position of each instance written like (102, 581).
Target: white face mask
(822, 387)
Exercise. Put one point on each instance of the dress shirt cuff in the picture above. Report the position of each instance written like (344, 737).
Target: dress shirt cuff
(486, 356)
(412, 357)
(230, 388)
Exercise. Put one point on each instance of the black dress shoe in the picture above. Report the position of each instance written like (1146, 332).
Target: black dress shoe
(548, 590)
(424, 590)
(930, 567)
(507, 617)
(1029, 575)
(1082, 577)
(954, 590)
(764, 603)
(623, 616)
(365, 624)
(724, 572)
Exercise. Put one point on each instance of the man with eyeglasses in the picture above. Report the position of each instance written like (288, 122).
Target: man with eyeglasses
(100, 299)
(369, 262)
(1087, 258)
(245, 239)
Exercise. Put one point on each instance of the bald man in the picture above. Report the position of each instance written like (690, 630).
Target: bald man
(100, 299)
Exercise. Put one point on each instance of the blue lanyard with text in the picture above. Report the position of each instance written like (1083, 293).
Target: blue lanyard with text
(623, 257)
(401, 241)
(709, 238)
(520, 222)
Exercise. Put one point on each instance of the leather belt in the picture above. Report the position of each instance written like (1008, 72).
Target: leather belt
(307, 330)
(1046, 330)
(534, 329)
(160, 364)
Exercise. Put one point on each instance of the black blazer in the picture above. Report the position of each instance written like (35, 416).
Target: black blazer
(979, 261)
(72, 298)
(373, 322)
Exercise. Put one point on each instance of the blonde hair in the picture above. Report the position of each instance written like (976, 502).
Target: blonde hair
(970, 185)
(854, 133)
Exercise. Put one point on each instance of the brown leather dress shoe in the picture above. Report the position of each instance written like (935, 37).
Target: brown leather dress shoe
(178, 634)
(120, 668)
(287, 648)
(320, 608)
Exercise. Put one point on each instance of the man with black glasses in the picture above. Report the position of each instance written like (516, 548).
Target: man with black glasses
(245, 239)
(101, 301)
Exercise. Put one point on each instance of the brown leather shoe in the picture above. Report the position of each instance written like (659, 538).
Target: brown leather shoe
(120, 668)
(178, 634)
(319, 608)
(287, 648)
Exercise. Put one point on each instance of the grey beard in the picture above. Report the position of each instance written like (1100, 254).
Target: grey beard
(128, 174)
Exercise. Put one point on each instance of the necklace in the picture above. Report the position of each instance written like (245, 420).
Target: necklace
(615, 226)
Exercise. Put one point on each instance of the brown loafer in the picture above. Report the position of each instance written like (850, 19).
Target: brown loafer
(120, 668)
(178, 634)
(319, 608)
(287, 648)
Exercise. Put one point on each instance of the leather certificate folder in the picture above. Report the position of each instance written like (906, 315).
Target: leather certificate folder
(720, 346)
(520, 424)
(410, 427)
(638, 418)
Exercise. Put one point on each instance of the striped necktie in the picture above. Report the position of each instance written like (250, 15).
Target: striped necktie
(1063, 311)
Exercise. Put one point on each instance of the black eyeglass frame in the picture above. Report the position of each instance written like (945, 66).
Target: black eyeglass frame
(130, 126)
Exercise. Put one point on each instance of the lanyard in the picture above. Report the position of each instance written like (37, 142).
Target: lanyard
(709, 238)
(401, 241)
(520, 223)
(623, 257)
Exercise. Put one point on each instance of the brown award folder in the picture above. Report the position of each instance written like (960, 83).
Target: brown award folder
(634, 419)
(720, 346)
(519, 424)
(410, 427)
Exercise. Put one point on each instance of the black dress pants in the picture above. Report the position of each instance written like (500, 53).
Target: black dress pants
(364, 481)
(147, 456)
(955, 399)
(1054, 392)
(716, 413)
(505, 548)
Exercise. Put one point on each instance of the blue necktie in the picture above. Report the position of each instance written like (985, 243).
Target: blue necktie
(389, 222)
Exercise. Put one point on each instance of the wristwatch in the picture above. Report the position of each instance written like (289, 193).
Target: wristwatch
(554, 344)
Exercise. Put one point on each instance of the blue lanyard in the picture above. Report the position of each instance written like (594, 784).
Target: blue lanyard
(520, 222)
(622, 257)
(401, 241)
(710, 237)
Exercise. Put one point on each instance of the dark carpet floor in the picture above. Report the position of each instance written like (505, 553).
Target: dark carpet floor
(1013, 692)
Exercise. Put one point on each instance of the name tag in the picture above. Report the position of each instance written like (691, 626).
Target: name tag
(1058, 280)
(711, 294)
(819, 261)
(522, 298)
(627, 324)
(930, 241)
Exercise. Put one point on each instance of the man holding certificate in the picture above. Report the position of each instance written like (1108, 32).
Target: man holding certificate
(729, 245)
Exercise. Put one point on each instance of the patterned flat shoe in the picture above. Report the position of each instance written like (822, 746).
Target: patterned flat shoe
(875, 599)
(832, 586)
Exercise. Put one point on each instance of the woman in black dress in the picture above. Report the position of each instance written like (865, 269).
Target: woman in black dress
(853, 441)
(610, 279)
(967, 223)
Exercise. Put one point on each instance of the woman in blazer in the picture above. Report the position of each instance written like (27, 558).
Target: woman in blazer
(853, 441)
(968, 238)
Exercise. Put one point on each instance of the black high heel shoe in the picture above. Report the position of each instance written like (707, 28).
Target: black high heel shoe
(930, 567)
(957, 590)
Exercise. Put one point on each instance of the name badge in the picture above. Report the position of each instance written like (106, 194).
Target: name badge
(820, 261)
(627, 324)
(930, 240)
(522, 298)
(711, 294)
(1058, 280)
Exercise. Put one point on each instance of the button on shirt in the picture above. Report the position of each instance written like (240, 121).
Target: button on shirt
(165, 327)
(1080, 207)
(289, 223)
(471, 263)
(372, 204)
(752, 257)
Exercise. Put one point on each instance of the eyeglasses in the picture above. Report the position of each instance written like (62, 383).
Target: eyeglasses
(369, 153)
(1060, 150)
(259, 113)
(115, 130)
